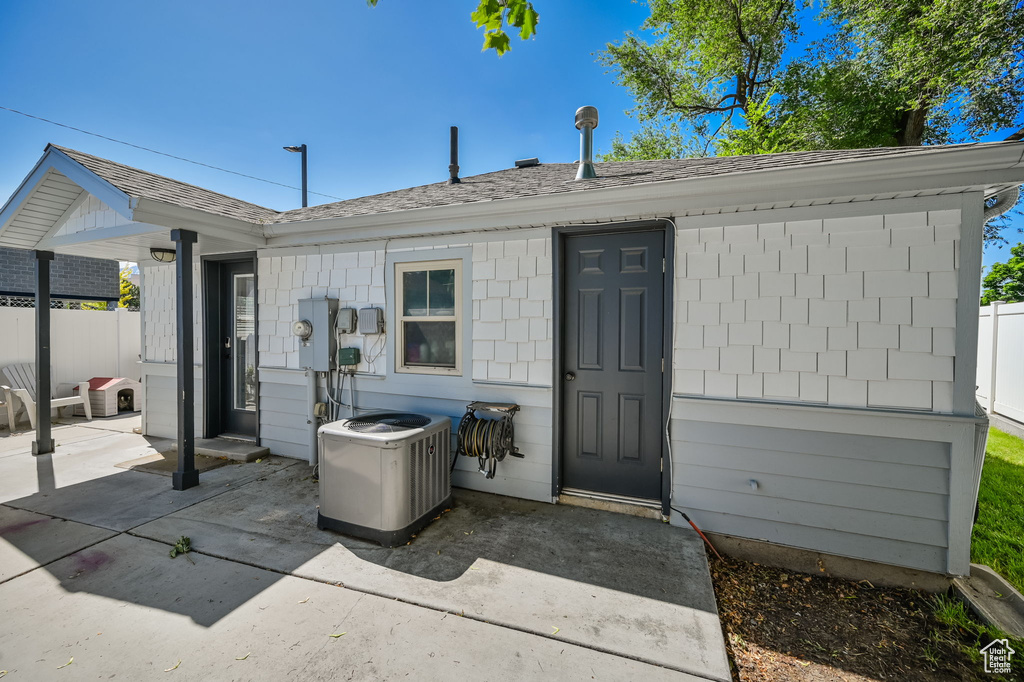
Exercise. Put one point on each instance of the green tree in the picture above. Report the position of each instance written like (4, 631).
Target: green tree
(889, 72)
(495, 15)
(709, 62)
(129, 291)
(1005, 281)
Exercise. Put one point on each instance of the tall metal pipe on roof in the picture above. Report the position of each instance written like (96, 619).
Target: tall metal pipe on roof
(586, 121)
(453, 166)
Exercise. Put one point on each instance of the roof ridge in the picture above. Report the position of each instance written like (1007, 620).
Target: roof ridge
(70, 152)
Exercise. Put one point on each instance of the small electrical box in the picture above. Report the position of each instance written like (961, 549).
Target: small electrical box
(348, 357)
(317, 341)
(346, 323)
(371, 320)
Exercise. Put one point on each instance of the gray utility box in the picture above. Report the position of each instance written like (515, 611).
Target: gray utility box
(318, 350)
(384, 476)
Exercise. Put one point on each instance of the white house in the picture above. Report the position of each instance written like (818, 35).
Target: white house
(782, 346)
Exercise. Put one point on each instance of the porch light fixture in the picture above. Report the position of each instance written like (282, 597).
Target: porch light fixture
(162, 255)
(300, 149)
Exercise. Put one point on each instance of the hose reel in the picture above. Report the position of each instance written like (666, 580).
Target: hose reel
(489, 437)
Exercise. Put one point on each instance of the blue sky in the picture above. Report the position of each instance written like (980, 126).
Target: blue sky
(371, 91)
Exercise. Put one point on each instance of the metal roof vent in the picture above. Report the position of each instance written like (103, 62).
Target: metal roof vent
(527, 163)
(586, 121)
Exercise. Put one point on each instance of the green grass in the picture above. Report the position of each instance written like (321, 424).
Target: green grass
(998, 538)
(963, 630)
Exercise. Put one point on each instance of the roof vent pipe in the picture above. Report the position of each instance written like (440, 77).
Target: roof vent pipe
(453, 167)
(586, 121)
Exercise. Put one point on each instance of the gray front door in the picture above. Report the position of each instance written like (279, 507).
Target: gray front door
(612, 363)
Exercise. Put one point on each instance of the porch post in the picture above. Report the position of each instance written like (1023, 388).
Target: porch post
(187, 476)
(43, 443)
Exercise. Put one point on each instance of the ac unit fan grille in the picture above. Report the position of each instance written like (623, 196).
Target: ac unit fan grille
(392, 422)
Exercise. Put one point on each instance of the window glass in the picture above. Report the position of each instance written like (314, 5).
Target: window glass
(429, 328)
(442, 293)
(429, 344)
(414, 293)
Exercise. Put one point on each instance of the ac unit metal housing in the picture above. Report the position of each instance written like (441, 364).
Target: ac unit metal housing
(384, 476)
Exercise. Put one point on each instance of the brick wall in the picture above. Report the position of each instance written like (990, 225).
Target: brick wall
(855, 311)
(69, 275)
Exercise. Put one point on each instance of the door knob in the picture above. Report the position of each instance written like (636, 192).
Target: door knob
(227, 342)
(570, 376)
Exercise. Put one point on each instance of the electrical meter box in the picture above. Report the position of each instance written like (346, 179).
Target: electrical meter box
(346, 323)
(317, 348)
(348, 357)
(371, 320)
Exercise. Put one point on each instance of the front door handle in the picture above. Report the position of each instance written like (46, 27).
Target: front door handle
(570, 376)
(227, 342)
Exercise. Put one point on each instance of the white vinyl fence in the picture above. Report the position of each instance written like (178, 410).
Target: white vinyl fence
(84, 344)
(1001, 359)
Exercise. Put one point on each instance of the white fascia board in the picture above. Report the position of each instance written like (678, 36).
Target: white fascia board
(72, 170)
(171, 216)
(92, 183)
(953, 168)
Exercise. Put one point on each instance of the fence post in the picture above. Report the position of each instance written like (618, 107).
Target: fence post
(994, 363)
(118, 320)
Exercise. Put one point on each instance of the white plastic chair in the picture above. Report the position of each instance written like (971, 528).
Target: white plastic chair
(20, 394)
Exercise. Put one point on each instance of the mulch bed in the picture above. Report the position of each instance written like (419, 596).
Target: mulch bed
(782, 625)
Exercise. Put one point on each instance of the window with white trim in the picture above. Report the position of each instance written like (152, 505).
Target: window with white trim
(429, 317)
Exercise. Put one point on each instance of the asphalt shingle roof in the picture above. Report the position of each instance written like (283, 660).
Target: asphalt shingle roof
(557, 178)
(544, 179)
(146, 185)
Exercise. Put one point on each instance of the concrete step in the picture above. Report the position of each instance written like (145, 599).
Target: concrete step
(235, 450)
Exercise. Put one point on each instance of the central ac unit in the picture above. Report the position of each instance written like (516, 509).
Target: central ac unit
(384, 476)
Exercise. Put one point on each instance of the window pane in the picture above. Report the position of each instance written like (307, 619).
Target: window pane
(429, 344)
(414, 293)
(244, 367)
(442, 293)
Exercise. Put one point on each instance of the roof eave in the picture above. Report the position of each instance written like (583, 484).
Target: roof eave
(173, 216)
(985, 166)
(57, 160)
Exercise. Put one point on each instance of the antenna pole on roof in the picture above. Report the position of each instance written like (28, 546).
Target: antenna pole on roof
(453, 166)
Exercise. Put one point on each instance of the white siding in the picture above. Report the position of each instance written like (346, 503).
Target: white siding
(856, 311)
(91, 214)
(509, 357)
(158, 313)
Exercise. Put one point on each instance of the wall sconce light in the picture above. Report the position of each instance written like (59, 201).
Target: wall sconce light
(162, 255)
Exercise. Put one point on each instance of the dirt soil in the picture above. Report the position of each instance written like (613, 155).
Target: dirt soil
(786, 626)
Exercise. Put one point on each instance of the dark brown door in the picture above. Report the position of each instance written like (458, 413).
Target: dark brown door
(612, 363)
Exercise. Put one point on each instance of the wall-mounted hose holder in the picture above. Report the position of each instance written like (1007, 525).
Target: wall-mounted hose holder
(489, 436)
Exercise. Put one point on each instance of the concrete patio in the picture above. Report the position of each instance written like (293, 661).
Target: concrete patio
(497, 588)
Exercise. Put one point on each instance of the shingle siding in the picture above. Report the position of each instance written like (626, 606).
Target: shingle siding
(69, 275)
(864, 313)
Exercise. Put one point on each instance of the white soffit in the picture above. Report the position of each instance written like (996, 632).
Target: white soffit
(53, 197)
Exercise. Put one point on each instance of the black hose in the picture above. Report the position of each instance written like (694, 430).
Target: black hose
(488, 440)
